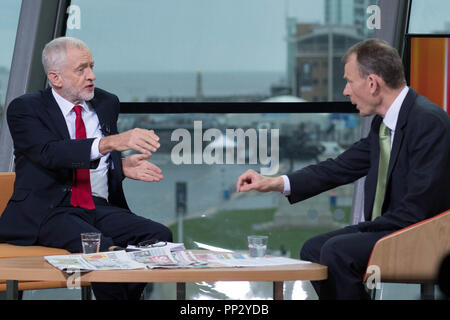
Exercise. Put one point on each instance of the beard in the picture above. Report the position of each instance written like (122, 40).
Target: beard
(77, 95)
(87, 96)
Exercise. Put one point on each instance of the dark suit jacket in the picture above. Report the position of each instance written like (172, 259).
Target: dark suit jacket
(418, 184)
(45, 158)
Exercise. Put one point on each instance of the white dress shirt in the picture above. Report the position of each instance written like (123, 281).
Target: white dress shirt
(390, 120)
(391, 116)
(99, 176)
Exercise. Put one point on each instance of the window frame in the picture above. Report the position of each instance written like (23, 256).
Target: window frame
(236, 107)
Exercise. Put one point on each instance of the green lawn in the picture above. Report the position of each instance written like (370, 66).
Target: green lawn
(229, 229)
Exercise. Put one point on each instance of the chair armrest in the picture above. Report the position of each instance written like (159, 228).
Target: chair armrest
(413, 254)
(6, 188)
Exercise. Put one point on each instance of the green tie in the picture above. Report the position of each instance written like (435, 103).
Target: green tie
(385, 151)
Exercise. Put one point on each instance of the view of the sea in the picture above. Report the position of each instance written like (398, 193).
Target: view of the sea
(139, 86)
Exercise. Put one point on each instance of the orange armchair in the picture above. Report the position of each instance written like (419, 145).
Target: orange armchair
(11, 251)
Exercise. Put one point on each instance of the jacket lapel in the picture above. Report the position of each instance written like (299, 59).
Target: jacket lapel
(55, 114)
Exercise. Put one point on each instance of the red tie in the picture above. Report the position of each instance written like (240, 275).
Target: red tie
(81, 188)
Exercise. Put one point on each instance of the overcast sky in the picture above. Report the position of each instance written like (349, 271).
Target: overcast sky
(186, 35)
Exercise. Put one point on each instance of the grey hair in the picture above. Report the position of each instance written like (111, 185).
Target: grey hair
(54, 53)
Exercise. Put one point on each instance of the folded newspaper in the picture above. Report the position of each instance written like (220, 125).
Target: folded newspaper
(160, 257)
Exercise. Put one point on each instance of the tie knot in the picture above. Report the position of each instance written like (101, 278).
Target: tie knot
(77, 110)
(384, 131)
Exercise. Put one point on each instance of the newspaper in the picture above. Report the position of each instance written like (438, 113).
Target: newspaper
(149, 258)
(161, 257)
(110, 260)
(233, 259)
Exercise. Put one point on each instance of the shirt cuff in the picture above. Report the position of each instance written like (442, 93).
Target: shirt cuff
(95, 153)
(287, 185)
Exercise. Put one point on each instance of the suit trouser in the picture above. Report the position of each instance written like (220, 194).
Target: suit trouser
(346, 253)
(118, 227)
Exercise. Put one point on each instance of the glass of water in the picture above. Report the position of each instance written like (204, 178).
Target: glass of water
(90, 242)
(257, 245)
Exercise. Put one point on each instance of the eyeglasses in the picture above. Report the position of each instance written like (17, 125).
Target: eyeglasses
(152, 243)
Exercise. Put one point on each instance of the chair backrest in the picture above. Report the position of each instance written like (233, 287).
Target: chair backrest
(413, 254)
(6, 188)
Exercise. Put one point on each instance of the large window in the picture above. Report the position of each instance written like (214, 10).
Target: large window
(207, 153)
(220, 50)
(202, 156)
(8, 27)
(226, 52)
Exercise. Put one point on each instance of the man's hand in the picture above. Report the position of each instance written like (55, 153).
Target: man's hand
(141, 140)
(137, 167)
(252, 180)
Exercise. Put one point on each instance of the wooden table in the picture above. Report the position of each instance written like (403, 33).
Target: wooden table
(38, 269)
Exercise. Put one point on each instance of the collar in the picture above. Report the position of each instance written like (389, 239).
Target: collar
(391, 116)
(67, 106)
